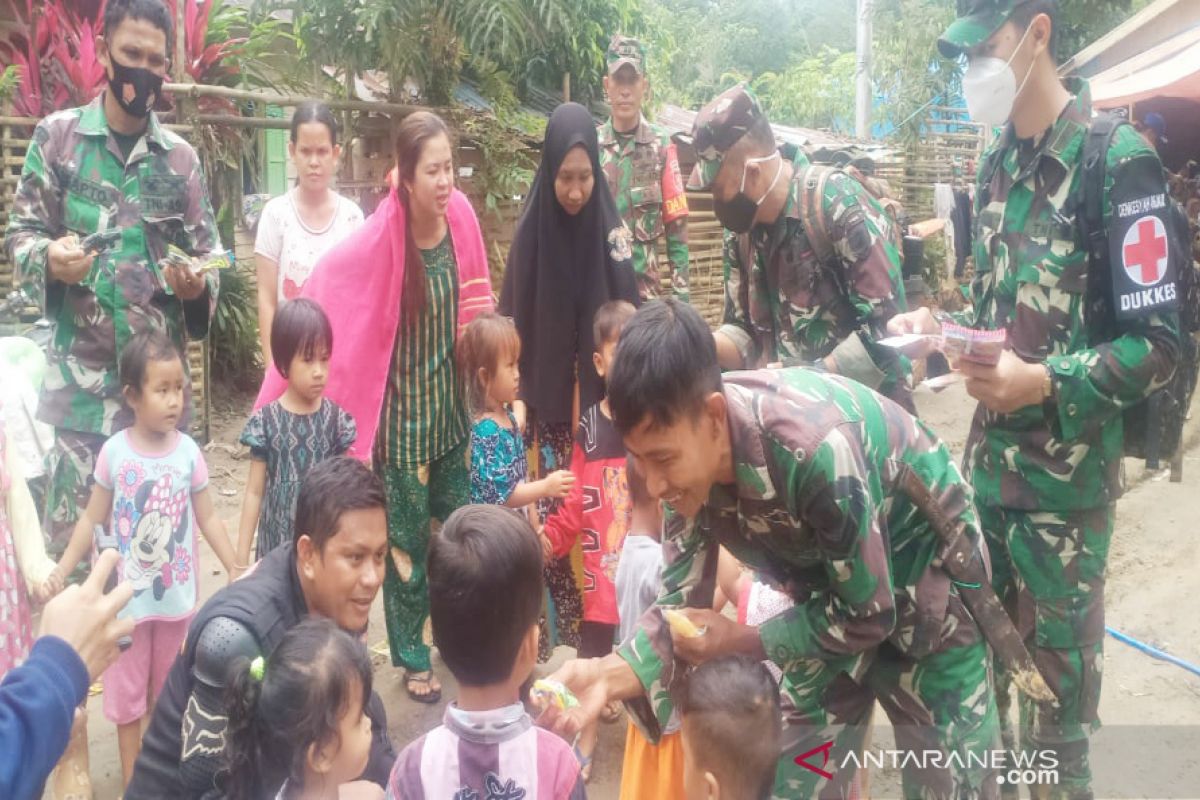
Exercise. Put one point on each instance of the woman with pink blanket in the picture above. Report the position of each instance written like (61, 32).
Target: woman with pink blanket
(398, 292)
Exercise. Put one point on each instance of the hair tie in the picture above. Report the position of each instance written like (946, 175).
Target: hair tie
(256, 668)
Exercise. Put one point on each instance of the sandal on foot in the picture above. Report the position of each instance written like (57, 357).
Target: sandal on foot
(425, 679)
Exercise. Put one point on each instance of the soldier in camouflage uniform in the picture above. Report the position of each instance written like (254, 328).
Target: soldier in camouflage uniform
(639, 162)
(798, 474)
(784, 302)
(1044, 453)
(108, 165)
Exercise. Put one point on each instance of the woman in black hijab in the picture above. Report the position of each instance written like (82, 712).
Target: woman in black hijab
(571, 255)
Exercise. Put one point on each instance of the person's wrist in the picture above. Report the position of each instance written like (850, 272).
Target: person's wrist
(750, 642)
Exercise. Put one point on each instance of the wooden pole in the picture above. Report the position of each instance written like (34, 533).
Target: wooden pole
(179, 65)
(566, 87)
(348, 118)
(195, 90)
(240, 122)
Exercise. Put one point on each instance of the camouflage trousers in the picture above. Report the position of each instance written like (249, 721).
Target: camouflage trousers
(418, 498)
(941, 703)
(1048, 568)
(70, 471)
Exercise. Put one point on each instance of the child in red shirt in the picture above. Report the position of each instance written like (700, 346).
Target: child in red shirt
(597, 510)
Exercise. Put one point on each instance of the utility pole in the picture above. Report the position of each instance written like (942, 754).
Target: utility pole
(862, 72)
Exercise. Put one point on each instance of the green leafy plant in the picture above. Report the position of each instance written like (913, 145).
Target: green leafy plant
(233, 340)
(815, 92)
(10, 79)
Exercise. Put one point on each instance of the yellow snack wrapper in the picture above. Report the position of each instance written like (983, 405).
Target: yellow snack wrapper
(680, 624)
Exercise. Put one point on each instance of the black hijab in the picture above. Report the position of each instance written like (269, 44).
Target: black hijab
(561, 269)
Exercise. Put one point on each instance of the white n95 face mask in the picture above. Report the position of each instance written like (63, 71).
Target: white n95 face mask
(990, 87)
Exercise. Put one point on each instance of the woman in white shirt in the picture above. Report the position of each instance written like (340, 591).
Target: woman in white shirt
(297, 228)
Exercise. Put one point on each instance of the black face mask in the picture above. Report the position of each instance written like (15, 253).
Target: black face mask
(738, 212)
(136, 89)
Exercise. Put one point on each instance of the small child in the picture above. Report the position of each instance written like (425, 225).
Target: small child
(488, 353)
(485, 595)
(151, 482)
(25, 570)
(298, 728)
(649, 771)
(596, 512)
(732, 727)
(300, 429)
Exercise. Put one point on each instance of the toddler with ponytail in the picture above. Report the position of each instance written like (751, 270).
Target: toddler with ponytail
(298, 727)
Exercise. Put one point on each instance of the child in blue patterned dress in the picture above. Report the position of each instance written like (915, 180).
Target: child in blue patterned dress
(488, 353)
(291, 435)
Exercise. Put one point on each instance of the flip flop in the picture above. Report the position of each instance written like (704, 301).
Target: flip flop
(431, 697)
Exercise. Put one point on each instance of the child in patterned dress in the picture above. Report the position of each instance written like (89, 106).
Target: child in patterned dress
(291, 435)
(488, 353)
(151, 494)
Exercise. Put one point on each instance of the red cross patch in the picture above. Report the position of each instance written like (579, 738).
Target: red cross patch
(1145, 251)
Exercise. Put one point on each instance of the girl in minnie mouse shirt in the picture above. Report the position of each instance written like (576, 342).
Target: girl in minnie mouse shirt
(151, 493)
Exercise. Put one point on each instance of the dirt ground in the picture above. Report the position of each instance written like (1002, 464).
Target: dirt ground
(1151, 709)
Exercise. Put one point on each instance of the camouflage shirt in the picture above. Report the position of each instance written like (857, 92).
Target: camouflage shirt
(1031, 279)
(818, 510)
(75, 181)
(642, 170)
(782, 304)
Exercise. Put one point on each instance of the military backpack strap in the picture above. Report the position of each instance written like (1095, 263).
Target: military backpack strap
(1098, 311)
(813, 178)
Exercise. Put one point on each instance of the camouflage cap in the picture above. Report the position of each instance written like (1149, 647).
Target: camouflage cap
(624, 50)
(977, 21)
(718, 127)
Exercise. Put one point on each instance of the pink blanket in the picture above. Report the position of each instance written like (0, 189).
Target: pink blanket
(358, 283)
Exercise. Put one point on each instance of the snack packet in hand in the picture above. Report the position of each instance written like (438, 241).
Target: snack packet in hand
(681, 625)
(970, 344)
(547, 692)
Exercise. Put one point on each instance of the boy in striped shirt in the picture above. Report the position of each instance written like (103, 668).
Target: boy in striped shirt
(485, 596)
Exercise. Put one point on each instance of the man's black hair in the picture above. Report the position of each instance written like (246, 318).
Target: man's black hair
(330, 489)
(153, 11)
(732, 724)
(665, 366)
(485, 591)
(1025, 13)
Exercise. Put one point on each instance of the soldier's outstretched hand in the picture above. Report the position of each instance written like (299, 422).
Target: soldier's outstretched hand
(1008, 386)
(584, 678)
(720, 636)
(66, 260)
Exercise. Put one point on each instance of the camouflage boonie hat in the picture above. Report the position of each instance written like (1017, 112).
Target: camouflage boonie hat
(977, 21)
(624, 50)
(718, 127)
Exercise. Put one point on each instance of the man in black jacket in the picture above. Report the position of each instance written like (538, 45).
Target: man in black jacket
(333, 568)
